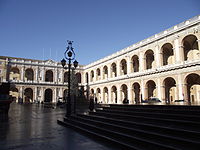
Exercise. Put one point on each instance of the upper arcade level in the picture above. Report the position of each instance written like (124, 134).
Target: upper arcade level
(19, 70)
(176, 47)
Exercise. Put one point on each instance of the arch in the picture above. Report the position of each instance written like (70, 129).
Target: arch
(92, 92)
(14, 73)
(98, 74)
(113, 70)
(78, 77)
(151, 89)
(149, 56)
(105, 72)
(190, 48)
(105, 95)
(135, 63)
(29, 74)
(86, 78)
(114, 94)
(48, 95)
(65, 94)
(28, 95)
(124, 92)
(192, 88)
(66, 76)
(98, 95)
(170, 89)
(92, 76)
(167, 54)
(123, 67)
(136, 92)
(49, 76)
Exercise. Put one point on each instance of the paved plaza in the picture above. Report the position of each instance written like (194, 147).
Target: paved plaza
(33, 127)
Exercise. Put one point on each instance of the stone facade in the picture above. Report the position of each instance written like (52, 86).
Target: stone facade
(36, 80)
(165, 66)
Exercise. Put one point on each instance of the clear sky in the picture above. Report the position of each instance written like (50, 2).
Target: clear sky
(39, 29)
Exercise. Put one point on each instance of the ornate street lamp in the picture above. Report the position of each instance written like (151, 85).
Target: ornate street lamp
(69, 55)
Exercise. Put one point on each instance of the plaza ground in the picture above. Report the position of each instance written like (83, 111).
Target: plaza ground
(33, 127)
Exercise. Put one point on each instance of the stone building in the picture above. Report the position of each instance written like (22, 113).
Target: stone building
(165, 66)
(36, 80)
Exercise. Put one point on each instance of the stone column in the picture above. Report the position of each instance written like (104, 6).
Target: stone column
(95, 76)
(110, 100)
(54, 100)
(178, 51)
(20, 93)
(118, 68)
(109, 71)
(22, 73)
(36, 74)
(119, 101)
(101, 73)
(159, 89)
(128, 65)
(42, 93)
(35, 94)
(158, 56)
(141, 62)
(143, 93)
(180, 87)
(129, 90)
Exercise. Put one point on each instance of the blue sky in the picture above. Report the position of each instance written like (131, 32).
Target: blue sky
(39, 29)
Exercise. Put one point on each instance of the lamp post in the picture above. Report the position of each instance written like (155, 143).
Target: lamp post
(69, 55)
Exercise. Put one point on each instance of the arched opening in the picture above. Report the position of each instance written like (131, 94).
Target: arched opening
(136, 92)
(98, 95)
(170, 89)
(29, 74)
(28, 95)
(49, 76)
(92, 92)
(135, 64)
(151, 89)
(105, 95)
(168, 54)
(190, 48)
(65, 94)
(149, 59)
(98, 74)
(78, 77)
(193, 88)
(113, 70)
(14, 74)
(105, 72)
(123, 67)
(48, 95)
(15, 94)
(114, 94)
(66, 76)
(86, 78)
(124, 92)
(92, 76)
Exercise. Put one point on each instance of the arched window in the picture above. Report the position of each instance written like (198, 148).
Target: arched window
(149, 59)
(29, 74)
(49, 76)
(135, 64)
(190, 48)
(123, 67)
(168, 54)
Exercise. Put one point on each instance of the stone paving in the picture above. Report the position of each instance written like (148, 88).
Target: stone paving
(33, 127)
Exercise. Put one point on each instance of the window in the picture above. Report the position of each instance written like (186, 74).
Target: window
(0, 71)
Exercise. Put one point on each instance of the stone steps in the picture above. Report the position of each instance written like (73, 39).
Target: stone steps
(177, 132)
(127, 127)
